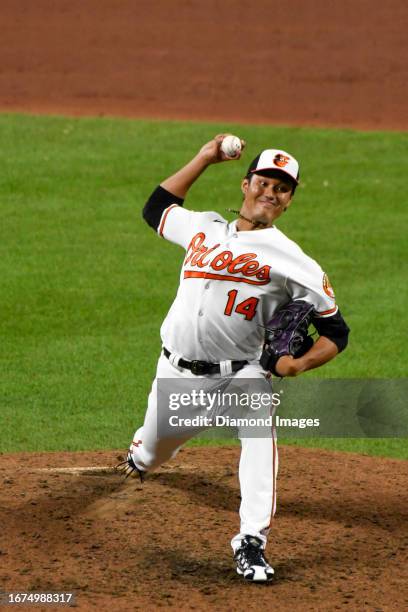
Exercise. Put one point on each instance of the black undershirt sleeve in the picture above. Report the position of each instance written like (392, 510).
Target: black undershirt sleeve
(335, 328)
(157, 203)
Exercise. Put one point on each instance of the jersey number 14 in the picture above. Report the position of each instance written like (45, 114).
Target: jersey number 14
(246, 308)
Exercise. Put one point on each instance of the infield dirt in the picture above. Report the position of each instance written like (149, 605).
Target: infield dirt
(340, 536)
(339, 539)
(315, 62)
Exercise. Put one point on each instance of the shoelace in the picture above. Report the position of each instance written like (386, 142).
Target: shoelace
(253, 554)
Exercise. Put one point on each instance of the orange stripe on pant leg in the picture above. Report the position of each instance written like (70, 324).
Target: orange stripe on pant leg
(274, 468)
(274, 473)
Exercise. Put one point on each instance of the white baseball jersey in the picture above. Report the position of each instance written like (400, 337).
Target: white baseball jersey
(231, 283)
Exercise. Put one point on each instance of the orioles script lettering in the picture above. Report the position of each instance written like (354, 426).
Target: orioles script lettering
(246, 264)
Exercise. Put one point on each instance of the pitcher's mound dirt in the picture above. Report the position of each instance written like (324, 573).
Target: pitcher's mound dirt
(339, 539)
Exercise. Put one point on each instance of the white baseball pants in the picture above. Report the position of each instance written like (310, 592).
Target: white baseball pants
(258, 464)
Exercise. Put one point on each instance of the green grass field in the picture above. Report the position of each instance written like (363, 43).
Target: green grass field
(86, 284)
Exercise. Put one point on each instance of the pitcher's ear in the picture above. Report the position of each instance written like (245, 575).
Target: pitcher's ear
(244, 186)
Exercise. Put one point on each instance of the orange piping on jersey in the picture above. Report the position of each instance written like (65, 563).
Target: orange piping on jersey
(224, 277)
(326, 312)
(166, 212)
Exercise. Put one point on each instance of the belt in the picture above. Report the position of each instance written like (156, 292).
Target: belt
(204, 367)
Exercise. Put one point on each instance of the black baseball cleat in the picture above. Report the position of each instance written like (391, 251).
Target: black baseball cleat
(251, 563)
(129, 468)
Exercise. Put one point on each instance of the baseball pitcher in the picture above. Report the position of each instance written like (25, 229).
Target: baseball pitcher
(247, 294)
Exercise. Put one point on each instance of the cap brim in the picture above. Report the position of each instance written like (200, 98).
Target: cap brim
(275, 169)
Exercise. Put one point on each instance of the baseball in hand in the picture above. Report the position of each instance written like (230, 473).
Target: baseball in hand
(231, 146)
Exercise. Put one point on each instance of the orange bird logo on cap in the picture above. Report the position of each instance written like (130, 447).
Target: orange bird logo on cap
(281, 160)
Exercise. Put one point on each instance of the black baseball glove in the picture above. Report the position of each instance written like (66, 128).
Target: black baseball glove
(287, 334)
